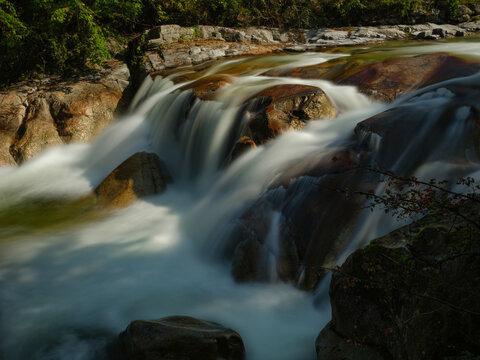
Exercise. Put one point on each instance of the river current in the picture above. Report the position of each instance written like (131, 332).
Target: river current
(67, 289)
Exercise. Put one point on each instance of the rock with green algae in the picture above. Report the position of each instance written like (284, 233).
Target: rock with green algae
(412, 294)
(142, 174)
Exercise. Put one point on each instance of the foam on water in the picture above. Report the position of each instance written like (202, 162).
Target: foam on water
(65, 294)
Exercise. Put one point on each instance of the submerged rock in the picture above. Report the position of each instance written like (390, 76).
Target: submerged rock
(412, 294)
(179, 338)
(140, 175)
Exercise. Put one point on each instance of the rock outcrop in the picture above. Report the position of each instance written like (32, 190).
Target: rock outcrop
(300, 226)
(52, 112)
(389, 79)
(285, 107)
(171, 46)
(412, 294)
(142, 174)
(386, 80)
(179, 338)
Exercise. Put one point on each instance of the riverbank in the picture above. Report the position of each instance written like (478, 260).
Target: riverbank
(172, 46)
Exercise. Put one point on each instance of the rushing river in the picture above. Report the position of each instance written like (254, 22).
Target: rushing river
(68, 287)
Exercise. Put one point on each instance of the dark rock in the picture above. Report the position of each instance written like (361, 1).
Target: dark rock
(407, 152)
(331, 346)
(412, 294)
(242, 145)
(295, 233)
(140, 175)
(179, 338)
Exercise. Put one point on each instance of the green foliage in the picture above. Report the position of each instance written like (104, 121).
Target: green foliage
(48, 36)
(66, 35)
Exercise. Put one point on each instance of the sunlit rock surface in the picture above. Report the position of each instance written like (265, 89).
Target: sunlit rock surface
(283, 108)
(386, 80)
(140, 175)
(46, 113)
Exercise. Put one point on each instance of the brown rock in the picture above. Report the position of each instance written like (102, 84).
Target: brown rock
(13, 109)
(180, 338)
(140, 175)
(285, 107)
(52, 112)
(206, 88)
(391, 78)
(37, 132)
(83, 110)
(242, 145)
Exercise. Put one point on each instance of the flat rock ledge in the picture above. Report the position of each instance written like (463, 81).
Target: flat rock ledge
(171, 46)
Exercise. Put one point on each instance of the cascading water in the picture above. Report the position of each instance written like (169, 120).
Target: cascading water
(67, 292)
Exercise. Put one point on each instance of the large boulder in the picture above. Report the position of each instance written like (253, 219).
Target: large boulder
(438, 123)
(140, 175)
(387, 79)
(294, 234)
(51, 112)
(283, 108)
(412, 294)
(179, 338)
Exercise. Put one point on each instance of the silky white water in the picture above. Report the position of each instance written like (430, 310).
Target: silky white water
(66, 294)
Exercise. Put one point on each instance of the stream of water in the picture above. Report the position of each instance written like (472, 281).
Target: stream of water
(66, 292)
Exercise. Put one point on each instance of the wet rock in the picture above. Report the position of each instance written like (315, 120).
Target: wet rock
(206, 88)
(455, 103)
(140, 175)
(285, 107)
(179, 338)
(242, 145)
(412, 294)
(392, 78)
(294, 233)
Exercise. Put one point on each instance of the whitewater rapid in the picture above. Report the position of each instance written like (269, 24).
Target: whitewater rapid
(66, 293)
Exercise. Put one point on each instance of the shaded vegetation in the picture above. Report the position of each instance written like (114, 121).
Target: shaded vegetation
(58, 36)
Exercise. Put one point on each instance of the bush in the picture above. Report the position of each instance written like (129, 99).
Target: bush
(66, 35)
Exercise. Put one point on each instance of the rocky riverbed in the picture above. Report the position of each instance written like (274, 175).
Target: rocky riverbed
(297, 207)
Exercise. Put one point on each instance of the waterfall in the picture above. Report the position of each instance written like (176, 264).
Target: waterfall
(66, 292)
